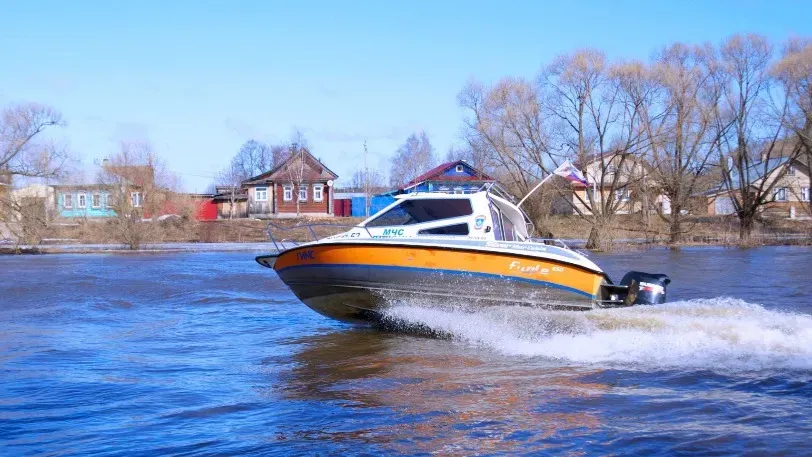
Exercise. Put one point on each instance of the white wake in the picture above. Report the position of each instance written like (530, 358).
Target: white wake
(710, 333)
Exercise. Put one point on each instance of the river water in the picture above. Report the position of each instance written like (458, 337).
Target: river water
(210, 354)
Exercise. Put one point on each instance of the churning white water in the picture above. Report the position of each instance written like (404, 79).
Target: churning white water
(719, 333)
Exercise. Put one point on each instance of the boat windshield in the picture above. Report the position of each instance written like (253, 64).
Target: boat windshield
(417, 211)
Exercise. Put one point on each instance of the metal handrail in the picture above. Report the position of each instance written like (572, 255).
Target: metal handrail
(557, 242)
(307, 226)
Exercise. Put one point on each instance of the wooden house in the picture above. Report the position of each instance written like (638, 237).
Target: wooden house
(299, 186)
(790, 181)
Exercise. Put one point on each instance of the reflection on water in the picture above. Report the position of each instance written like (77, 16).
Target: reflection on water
(201, 354)
(457, 403)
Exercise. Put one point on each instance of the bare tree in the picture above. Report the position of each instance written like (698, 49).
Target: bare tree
(507, 133)
(677, 98)
(231, 177)
(295, 167)
(598, 124)
(140, 191)
(794, 73)
(26, 155)
(412, 158)
(374, 179)
(757, 132)
(252, 159)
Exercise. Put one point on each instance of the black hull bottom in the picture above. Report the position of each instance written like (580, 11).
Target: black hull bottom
(356, 303)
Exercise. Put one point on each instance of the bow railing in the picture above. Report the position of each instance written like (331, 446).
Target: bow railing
(310, 231)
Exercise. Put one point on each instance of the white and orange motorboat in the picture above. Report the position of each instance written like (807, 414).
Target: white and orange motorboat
(475, 248)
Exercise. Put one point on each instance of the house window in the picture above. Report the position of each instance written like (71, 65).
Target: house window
(67, 200)
(261, 194)
(136, 199)
(318, 193)
(804, 194)
(781, 194)
(287, 195)
(459, 168)
(611, 169)
(81, 200)
(107, 201)
(95, 201)
(303, 194)
(791, 170)
(622, 195)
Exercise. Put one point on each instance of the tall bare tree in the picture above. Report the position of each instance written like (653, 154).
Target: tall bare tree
(757, 132)
(252, 159)
(141, 190)
(599, 125)
(231, 177)
(794, 73)
(27, 155)
(295, 168)
(372, 179)
(506, 130)
(412, 158)
(677, 97)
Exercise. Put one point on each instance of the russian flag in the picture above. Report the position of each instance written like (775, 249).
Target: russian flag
(569, 172)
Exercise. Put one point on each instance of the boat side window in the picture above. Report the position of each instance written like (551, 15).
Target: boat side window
(507, 228)
(496, 217)
(418, 211)
(456, 229)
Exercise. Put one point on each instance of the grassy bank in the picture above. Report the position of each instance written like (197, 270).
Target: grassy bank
(630, 231)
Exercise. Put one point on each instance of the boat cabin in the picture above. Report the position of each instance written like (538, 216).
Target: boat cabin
(479, 216)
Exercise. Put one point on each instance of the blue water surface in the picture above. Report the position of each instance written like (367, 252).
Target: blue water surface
(210, 354)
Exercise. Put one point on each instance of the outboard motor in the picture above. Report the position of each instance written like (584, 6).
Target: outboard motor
(644, 288)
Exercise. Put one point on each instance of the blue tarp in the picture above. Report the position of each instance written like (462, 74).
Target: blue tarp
(376, 204)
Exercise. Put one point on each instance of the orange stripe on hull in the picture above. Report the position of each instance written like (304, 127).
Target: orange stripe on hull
(490, 263)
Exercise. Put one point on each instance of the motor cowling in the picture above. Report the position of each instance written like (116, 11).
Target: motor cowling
(644, 288)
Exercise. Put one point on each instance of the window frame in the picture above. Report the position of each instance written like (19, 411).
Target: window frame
(780, 194)
(791, 170)
(302, 189)
(459, 168)
(622, 195)
(427, 231)
(257, 191)
(93, 198)
(81, 200)
(320, 189)
(287, 192)
(65, 197)
(134, 200)
(805, 194)
(401, 206)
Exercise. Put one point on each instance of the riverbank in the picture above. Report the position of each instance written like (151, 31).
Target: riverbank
(629, 233)
(627, 244)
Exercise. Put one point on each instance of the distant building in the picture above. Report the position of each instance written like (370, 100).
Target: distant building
(85, 201)
(300, 181)
(35, 200)
(630, 190)
(457, 177)
(790, 192)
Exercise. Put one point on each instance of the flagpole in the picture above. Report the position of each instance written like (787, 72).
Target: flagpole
(535, 189)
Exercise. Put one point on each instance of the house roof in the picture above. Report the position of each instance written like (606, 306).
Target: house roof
(437, 172)
(315, 171)
(755, 172)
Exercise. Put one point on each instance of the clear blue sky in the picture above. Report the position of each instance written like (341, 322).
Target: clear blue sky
(199, 78)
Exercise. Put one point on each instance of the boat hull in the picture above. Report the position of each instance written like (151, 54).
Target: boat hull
(357, 282)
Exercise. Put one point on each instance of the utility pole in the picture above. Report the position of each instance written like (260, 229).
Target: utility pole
(366, 180)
